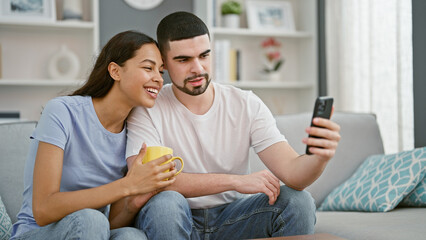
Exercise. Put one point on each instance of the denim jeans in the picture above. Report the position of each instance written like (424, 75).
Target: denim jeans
(167, 216)
(87, 224)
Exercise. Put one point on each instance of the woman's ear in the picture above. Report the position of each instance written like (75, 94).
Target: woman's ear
(113, 70)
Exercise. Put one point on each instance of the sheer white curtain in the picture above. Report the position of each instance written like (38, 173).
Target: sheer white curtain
(369, 64)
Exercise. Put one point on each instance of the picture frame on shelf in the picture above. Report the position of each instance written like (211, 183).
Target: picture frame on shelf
(27, 11)
(270, 15)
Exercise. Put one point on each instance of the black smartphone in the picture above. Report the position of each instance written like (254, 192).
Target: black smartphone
(322, 108)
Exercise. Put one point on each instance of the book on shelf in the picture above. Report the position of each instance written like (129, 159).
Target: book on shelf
(234, 65)
(9, 116)
(221, 60)
(0, 63)
(226, 62)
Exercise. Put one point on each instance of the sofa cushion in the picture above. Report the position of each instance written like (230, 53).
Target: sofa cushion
(379, 184)
(401, 223)
(5, 223)
(417, 198)
(14, 145)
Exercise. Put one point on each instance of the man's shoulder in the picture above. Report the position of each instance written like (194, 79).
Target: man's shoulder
(236, 95)
(232, 91)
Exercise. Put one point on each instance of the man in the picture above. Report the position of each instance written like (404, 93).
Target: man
(212, 127)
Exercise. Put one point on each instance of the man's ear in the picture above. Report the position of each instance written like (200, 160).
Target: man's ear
(113, 70)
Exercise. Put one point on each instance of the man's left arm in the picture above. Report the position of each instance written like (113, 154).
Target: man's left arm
(299, 171)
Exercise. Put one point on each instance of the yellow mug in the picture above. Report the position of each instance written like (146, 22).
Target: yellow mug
(155, 152)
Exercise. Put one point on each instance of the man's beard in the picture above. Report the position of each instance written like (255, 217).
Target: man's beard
(196, 90)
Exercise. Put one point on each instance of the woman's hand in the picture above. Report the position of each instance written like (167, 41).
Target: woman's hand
(146, 178)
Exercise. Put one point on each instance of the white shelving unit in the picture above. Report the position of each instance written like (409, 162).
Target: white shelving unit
(41, 82)
(297, 89)
(26, 48)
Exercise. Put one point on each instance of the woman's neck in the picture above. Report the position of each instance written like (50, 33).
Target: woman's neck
(111, 112)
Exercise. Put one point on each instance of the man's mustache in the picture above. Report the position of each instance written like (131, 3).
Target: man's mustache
(204, 75)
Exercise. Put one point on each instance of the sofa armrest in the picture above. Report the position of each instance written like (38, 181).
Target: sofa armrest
(14, 145)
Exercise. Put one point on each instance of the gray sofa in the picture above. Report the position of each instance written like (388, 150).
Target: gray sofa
(360, 138)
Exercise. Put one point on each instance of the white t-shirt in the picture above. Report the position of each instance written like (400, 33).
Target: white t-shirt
(216, 142)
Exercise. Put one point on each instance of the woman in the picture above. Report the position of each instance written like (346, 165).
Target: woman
(77, 152)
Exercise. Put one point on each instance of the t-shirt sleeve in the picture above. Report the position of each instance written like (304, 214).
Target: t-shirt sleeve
(140, 129)
(53, 126)
(263, 128)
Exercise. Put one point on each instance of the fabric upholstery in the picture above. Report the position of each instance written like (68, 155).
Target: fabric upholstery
(5, 223)
(417, 198)
(379, 184)
(398, 224)
(14, 144)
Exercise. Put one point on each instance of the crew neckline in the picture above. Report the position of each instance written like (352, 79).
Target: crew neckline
(186, 111)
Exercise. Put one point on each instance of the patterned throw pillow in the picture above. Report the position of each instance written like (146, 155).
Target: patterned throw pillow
(379, 184)
(417, 198)
(5, 223)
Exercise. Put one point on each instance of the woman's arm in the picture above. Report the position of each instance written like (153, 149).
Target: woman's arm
(51, 205)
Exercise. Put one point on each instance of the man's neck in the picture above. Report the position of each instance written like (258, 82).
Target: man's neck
(199, 104)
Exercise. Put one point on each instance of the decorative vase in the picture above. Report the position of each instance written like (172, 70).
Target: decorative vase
(64, 64)
(72, 10)
(231, 20)
(274, 76)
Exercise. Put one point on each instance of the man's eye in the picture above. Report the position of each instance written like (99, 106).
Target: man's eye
(161, 72)
(148, 68)
(205, 55)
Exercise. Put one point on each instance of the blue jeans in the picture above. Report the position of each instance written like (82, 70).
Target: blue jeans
(167, 216)
(87, 224)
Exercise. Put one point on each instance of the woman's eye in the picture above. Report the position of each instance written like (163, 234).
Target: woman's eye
(161, 72)
(148, 68)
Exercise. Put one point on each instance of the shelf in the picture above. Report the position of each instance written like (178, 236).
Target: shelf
(40, 82)
(49, 25)
(260, 33)
(272, 85)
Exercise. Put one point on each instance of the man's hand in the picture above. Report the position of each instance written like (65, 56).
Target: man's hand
(325, 145)
(259, 182)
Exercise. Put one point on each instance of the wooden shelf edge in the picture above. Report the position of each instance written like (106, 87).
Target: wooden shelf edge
(271, 85)
(250, 32)
(40, 82)
(47, 25)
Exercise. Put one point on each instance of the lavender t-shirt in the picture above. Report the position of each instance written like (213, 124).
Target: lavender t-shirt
(93, 156)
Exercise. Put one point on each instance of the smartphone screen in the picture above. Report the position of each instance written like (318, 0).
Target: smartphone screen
(322, 108)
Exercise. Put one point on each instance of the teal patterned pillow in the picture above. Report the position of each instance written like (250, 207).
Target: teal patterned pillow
(417, 198)
(379, 184)
(5, 223)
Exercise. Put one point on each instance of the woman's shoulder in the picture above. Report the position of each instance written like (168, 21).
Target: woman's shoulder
(64, 104)
(68, 101)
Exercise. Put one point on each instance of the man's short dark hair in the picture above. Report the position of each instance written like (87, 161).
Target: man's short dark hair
(178, 26)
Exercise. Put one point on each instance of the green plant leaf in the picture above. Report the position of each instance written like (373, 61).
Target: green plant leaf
(231, 7)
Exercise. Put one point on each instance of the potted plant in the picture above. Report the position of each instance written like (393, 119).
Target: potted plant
(231, 11)
(272, 59)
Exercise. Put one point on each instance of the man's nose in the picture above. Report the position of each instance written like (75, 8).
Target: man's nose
(197, 67)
